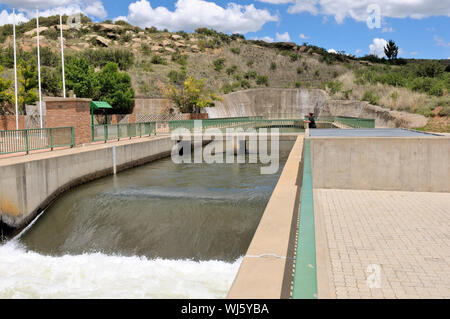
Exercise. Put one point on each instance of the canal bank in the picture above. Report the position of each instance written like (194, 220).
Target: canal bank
(28, 184)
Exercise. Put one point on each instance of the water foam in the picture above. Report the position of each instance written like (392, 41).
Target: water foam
(27, 274)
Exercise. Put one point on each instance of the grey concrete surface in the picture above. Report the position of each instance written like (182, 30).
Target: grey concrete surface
(419, 164)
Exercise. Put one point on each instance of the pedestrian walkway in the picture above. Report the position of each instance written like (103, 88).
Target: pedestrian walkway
(406, 234)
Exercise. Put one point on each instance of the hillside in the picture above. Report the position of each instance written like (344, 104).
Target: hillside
(229, 63)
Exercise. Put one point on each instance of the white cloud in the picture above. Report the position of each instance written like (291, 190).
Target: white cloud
(358, 51)
(377, 47)
(266, 39)
(387, 29)
(192, 14)
(357, 10)
(47, 8)
(414, 53)
(283, 37)
(7, 18)
(441, 42)
(121, 18)
(96, 9)
(302, 36)
(332, 51)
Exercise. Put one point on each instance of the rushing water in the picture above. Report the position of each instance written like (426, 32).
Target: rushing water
(157, 231)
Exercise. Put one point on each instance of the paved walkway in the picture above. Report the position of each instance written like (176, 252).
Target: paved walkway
(406, 233)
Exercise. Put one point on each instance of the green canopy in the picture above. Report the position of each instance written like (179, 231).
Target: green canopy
(100, 105)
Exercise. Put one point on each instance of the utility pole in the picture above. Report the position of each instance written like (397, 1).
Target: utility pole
(62, 56)
(15, 70)
(39, 67)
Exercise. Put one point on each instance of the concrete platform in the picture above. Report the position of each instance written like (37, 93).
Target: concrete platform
(405, 233)
(378, 132)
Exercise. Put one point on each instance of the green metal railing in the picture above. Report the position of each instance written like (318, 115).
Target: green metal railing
(24, 141)
(354, 122)
(245, 122)
(107, 132)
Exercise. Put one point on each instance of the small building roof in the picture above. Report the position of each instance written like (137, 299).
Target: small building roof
(100, 105)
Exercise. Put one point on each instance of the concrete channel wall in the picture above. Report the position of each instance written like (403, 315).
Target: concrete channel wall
(28, 184)
(419, 164)
(266, 271)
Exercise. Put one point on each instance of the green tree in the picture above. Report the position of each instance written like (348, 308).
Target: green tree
(5, 86)
(28, 80)
(51, 81)
(80, 77)
(193, 97)
(391, 50)
(115, 88)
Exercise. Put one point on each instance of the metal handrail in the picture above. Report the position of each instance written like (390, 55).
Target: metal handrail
(26, 140)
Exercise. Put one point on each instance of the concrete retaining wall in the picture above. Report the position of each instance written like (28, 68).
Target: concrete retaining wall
(266, 271)
(419, 164)
(29, 184)
(296, 103)
(269, 103)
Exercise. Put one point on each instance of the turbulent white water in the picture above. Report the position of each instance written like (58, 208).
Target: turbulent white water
(26, 274)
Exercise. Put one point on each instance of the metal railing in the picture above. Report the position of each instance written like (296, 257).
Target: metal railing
(24, 141)
(247, 122)
(107, 132)
(354, 122)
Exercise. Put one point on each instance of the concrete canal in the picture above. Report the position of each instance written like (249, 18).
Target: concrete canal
(157, 231)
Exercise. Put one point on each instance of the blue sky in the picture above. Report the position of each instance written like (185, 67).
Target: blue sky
(420, 27)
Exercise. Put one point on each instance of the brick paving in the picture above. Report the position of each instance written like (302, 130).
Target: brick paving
(406, 233)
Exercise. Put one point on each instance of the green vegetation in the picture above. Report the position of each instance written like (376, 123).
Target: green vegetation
(115, 88)
(236, 50)
(262, 80)
(102, 56)
(193, 97)
(219, 64)
(427, 77)
(370, 97)
(391, 50)
(80, 77)
(158, 59)
(232, 69)
(334, 87)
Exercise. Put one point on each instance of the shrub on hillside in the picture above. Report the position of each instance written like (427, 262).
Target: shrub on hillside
(219, 64)
(235, 51)
(158, 59)
(370, 97)
(262, 80)
(232, 69)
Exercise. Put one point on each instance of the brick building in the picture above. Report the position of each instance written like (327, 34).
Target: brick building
(74, 112)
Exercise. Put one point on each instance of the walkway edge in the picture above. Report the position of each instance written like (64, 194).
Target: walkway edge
(266, 266)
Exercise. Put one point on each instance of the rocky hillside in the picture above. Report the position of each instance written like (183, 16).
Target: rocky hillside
(229, 63)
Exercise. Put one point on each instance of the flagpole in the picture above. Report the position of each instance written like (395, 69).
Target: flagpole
(15, 70)
(39, 67)
(62, 56)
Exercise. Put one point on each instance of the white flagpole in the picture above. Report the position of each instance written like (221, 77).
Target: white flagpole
(15, 70)
(39, 67)
(62, 56)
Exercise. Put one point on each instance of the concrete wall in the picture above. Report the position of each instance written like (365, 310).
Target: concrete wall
(383, 117)
(289, 103)
(400, 164)
(28, 184)
(270, 103)
(266, 271)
